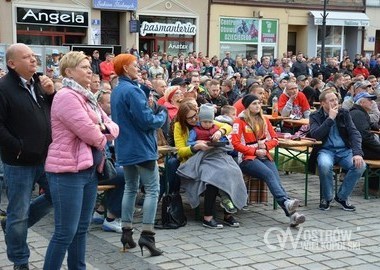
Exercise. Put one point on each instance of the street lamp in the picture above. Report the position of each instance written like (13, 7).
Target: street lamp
(324, 15)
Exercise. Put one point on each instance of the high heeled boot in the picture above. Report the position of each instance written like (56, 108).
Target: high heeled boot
(127, 239)
(147, 240)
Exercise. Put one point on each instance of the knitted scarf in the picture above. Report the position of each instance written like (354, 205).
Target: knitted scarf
(91, 99)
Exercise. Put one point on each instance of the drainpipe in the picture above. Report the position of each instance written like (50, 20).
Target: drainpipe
(208, 27)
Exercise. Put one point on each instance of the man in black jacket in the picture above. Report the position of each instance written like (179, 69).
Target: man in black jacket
(300, 66)
(25, 135)
(360, 117)
(341, 144)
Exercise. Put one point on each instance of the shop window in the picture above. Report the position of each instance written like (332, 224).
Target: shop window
(333, 35)
(242, 50)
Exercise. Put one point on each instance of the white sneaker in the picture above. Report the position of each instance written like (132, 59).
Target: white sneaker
(296, 219)
(97, 218)
(291, 205)
(113, 226)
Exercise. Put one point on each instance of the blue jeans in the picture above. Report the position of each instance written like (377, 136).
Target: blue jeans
(149, 178)
(74, 196)
(22, 211)
(114, 197)
(171, 171)
(266, 170)
(343, 157)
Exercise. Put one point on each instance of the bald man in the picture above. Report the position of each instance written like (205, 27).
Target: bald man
(25, 134)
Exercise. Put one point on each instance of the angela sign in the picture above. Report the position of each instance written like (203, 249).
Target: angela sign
(52, 17)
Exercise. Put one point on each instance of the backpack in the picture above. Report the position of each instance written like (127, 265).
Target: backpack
(172, 213)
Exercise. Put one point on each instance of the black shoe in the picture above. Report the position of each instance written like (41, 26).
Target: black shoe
(21, 267)
(127, 239)
(324, 205)
(147, 240)
(345, 204)
(3, 213)
(231, 221)
(212, 224)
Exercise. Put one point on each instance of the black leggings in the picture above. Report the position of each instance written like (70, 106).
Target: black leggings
(210, 197)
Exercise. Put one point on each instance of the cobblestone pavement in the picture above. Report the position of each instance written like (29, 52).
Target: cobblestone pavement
(332, 239)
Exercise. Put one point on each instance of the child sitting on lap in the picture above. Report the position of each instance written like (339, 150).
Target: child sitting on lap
(204, 131)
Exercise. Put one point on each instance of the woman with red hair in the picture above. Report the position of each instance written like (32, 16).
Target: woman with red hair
(173, 97)
(136, 150)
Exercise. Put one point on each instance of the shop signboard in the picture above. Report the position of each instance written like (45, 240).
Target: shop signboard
(177, 28)
(239, 30)
(115, 5)
(52, 17)
(269, 31)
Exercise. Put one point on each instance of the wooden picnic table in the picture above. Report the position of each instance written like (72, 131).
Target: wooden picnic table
(297, 123)
(296, 150)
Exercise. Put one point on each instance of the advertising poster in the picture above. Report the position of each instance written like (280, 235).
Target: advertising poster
(239, 30)
(269, 31)
(52, 56)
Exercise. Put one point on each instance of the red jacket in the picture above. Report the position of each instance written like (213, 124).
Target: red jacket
(244, 140)
(363, 71)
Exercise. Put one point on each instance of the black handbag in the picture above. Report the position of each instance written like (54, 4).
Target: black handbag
(172, 213)
(109, 171)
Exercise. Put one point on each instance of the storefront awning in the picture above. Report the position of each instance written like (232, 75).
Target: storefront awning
(341, 18)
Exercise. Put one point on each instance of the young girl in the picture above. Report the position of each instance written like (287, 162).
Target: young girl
(253, 136)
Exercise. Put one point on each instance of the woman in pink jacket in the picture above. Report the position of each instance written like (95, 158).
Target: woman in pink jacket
(80, 130)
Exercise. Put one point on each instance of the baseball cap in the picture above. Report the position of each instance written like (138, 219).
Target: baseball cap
(55, 52)
(179, 81)
(361, 84)
(364, 95)
(268, 76)
(301, 78)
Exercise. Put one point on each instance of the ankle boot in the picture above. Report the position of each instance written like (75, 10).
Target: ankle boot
(147, 240)
(127, 239)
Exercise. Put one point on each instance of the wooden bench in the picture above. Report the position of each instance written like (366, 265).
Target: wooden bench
(101, 197)
(372, 170)
(102, 188)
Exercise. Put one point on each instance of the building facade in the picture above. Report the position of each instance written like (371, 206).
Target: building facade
(165, 25)
(172, 26)
(280, 26)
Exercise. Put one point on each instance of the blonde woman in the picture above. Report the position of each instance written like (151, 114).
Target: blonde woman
(253, 136)
(80, 131)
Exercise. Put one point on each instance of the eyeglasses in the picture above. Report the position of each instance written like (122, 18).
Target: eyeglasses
(193, 117)
(292, 88)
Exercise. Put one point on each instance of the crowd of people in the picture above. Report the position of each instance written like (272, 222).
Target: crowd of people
(213, 111)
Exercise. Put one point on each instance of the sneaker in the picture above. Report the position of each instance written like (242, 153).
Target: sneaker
(346, 205)
(228, 206)
(291, 205)
(21, 267)
(212, 224)
(113, 226)
(296, 219)
(324, 205)
(231, 221)
(245, 208)
(3, 213)
(97, 218)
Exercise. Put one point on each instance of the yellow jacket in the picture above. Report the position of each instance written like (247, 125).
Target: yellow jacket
(180, 139)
